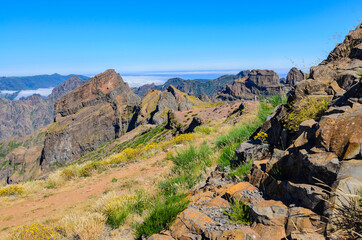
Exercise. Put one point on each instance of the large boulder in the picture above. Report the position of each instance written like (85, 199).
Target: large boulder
(269, 212)
(342, 133)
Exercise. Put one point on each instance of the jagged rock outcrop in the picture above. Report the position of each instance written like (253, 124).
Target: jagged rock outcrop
(156, 104)
(294, 76)
(319, 158)
(255, 83)
(99, 111)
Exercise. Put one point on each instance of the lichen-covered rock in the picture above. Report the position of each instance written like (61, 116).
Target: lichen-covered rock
(245, 233)
(251, 150)
(269, 212)
(160, 237)
(342, 133)
(237, 191)
(275, 232)
(190, 222)
(304, 219)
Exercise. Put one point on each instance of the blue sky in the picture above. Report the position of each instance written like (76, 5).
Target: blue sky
(87, 37)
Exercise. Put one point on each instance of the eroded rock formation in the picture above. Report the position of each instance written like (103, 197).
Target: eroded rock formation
(257, 82)
(99, 111)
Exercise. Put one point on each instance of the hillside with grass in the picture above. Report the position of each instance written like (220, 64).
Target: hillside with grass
(171, 166)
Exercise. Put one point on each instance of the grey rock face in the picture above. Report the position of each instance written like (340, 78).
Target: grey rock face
(294, 76)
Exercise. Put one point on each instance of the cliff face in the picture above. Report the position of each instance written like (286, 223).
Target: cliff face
(23, 117)
(255, 83)
(99, 111)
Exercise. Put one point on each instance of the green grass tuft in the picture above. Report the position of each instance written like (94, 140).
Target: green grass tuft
(239, 213)
(163, 214)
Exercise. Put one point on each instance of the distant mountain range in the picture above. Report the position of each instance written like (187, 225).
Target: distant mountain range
(34, 82)
(194, 87)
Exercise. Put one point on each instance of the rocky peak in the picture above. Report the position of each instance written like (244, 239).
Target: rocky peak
(108, 84)
(264, 78)
(156, 104)
(350, 47)
(98, 111)
(255, 83)
(294, 76)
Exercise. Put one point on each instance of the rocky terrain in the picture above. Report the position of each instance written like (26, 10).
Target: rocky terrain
(191, 167)
(299, 176)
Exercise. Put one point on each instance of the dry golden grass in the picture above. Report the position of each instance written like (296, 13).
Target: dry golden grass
(89, 226)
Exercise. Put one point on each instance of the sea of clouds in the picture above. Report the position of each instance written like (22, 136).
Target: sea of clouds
(41, 91)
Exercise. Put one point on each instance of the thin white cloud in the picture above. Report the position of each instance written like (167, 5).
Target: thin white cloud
(7, 92)
(41, 91)
(136, 81)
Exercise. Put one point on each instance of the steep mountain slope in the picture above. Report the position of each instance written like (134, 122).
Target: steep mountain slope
(99, 111)
(67, 86)
(33, 82)
(23, 117)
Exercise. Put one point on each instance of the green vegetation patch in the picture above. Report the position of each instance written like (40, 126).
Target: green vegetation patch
(240, 213)
(307, 108)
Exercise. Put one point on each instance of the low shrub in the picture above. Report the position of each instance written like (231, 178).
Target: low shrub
(116, 209)
(307, 108)
(35, 231)
(88, 168)
(204, 130)
(54, 180)
(228, 155)
(11, 190)
(192, 158)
